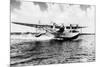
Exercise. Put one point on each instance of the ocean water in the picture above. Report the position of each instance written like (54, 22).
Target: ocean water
(28, 52)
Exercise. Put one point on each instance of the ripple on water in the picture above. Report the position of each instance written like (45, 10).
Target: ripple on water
(30, 52)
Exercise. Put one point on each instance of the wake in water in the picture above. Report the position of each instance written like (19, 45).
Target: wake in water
(29, 52)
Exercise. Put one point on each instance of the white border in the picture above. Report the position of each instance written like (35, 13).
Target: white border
(89, 2)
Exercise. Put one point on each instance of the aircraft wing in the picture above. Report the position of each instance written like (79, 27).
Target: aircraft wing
(68, 27)
(35, 25)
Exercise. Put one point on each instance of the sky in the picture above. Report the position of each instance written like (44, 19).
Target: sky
(46, 12)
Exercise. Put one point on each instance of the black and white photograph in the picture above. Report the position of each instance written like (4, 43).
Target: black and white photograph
(44, 33)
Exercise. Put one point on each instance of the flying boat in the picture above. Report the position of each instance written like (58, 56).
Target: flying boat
(69, 32)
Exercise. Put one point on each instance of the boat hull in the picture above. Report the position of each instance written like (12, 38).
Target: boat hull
(68, 38)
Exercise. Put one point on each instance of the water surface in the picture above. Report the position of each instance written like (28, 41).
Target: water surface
(26, 52)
